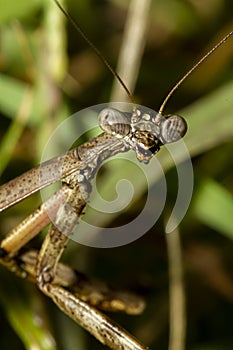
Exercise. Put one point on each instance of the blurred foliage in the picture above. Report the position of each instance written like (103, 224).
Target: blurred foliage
(47, 73)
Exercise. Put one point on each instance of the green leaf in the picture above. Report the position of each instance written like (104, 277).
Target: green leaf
(26, 315)
(210, 120)
(12, 92)
(16, 9)
(213, 205)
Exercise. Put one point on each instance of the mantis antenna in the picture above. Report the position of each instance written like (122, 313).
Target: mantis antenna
(96, 50)
(191, 70)
(116, 75)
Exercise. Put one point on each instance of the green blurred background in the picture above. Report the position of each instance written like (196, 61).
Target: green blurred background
(47, 73)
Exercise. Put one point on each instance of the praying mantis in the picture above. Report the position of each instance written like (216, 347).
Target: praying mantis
(141, 132)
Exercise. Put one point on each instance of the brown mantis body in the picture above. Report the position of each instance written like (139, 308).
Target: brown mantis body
(65, 207)
(141, 132)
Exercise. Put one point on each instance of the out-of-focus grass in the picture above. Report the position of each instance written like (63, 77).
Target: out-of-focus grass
(26, 316)
(36, 68)
(210, 198)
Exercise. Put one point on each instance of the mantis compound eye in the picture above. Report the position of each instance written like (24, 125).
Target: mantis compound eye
(173, 129)
(114, 122)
